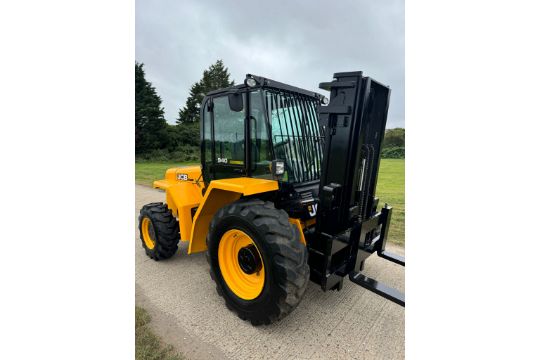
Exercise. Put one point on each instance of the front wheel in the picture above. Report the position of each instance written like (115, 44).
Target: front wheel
(257, 260)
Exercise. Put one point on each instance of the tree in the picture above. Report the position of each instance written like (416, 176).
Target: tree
(394, 138)
(150, 125)
(181, 135)
(215, 77)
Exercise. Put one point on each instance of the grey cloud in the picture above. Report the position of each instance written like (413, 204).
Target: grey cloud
(297, 42)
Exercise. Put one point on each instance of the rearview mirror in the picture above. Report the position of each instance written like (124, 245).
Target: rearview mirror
(236, 102)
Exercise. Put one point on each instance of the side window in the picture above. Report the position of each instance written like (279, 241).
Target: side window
(260, 150)
(228, 133)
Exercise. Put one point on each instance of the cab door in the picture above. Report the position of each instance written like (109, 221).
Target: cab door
(225, 151)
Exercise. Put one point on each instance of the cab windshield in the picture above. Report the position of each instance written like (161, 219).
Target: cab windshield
(295, 134)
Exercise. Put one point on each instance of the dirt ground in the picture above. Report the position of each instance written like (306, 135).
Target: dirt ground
(188, 313)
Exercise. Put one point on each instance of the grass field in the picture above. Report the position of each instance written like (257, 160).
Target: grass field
(390, 188)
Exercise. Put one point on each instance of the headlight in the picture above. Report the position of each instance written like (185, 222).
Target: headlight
(251, 82)
(280, 167)
(325, 100)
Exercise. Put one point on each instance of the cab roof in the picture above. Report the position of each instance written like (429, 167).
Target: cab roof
(263, 82)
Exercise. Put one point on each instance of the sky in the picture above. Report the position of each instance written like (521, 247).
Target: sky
(302, 43)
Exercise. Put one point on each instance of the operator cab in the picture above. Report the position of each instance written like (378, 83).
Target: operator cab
(265, 129)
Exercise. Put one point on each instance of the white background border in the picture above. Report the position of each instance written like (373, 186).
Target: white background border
(471, 179)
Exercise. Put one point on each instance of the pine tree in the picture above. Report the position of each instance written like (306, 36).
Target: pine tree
(190, 112)
(150, 124)
(215, 77)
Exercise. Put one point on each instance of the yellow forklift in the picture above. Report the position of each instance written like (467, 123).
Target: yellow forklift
(285, 193)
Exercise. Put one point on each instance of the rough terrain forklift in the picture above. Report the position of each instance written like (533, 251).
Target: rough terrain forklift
(285, 193)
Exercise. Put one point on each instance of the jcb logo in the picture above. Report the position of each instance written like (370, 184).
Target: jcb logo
(312, 209)
(183, 177)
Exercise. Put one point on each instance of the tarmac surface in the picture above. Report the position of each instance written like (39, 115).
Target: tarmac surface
(188, 313)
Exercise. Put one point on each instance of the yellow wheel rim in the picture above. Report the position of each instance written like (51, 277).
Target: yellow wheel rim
(243, 284)
(148, 233)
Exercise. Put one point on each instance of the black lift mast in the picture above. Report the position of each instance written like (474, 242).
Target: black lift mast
(349, 229)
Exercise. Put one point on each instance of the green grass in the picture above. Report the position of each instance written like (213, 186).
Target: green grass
(147, 345)
(390, 188)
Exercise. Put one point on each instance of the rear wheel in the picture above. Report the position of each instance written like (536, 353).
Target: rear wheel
(159, 231)
(257, 260)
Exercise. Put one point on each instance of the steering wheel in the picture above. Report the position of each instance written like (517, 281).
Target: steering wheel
(281, 143)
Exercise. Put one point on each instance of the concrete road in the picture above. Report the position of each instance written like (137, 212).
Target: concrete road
(188, 313)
